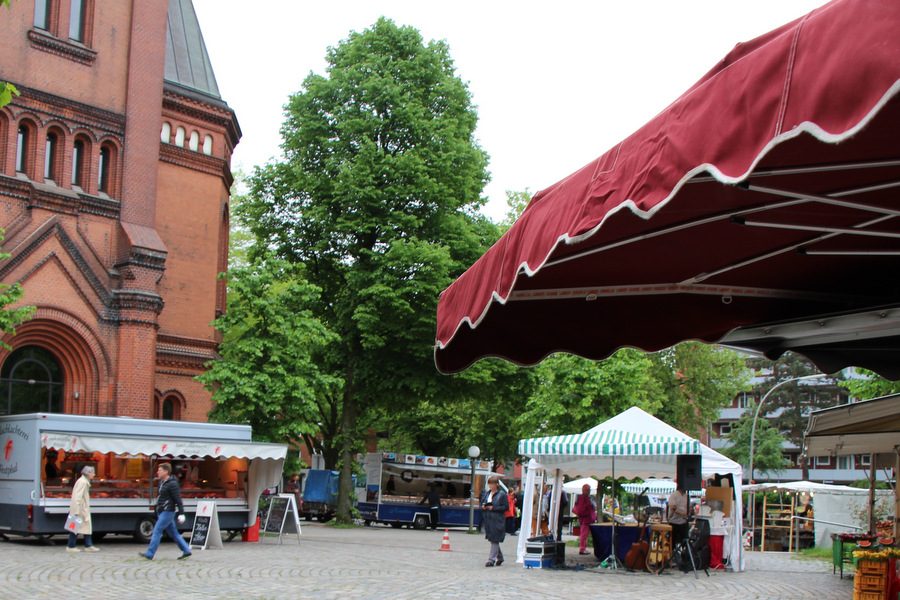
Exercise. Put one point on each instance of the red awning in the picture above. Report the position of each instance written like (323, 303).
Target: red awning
(769, 193)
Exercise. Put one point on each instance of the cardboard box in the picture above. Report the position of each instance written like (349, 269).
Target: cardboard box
(722, 494)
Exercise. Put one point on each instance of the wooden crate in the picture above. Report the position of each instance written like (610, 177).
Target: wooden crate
(872, 567)
(858, 595)
(870, 583)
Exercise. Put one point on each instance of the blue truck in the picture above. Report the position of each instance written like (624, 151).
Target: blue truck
(396, 484)
(320, 495)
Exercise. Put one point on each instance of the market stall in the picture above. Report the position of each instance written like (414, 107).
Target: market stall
(811, 511)
(631, 444)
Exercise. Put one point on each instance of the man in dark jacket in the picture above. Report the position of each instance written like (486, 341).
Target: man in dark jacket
(168, 504)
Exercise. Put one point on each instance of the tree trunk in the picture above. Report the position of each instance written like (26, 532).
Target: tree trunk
(345, 483)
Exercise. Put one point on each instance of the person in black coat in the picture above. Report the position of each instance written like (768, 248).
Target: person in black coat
(433, 499)
(493, 515)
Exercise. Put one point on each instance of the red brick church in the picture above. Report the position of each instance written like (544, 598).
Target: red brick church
(114, 191)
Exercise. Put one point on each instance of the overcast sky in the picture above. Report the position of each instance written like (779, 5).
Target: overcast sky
(555, 84)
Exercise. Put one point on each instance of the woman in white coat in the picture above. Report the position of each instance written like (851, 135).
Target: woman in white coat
(80, 506)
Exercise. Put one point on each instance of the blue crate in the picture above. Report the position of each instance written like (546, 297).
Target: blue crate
(536, 561)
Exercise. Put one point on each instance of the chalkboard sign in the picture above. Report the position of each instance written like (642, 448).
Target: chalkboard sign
(200, 532)
(205, 531)
(277, 513)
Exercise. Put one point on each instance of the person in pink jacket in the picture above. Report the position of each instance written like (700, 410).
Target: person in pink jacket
(586, 511)
(80, 506)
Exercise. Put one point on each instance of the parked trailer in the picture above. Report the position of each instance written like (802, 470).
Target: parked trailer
(212, 461)
(396, 484)
(320, 494)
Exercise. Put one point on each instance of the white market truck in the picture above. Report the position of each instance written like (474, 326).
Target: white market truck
(396, 484)
(41, 456)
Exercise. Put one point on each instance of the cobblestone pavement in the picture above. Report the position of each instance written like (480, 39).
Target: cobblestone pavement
(379, 562)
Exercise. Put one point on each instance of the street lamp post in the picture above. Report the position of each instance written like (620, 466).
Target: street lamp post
(753, 438)
(474, 452)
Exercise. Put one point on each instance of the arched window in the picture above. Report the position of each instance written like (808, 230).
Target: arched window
(23, 141)
(194, 144)
(77, 15)
(207, 144)
(78, 149)
(103, 170)
(51, 151)
(165, 135)
(168, 409)
(31, 381)
(179, 137)
(42, 14)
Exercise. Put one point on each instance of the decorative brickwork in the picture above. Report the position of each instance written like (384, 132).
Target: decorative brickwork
(120, 247)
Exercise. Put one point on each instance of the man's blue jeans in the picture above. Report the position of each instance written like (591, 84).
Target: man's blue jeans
(166, 522)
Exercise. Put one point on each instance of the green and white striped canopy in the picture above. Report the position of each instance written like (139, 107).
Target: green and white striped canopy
(608, 443)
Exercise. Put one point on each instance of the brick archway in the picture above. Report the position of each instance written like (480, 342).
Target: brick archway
(83, 359)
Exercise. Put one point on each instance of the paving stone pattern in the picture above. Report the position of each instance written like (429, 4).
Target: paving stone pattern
(379, 562)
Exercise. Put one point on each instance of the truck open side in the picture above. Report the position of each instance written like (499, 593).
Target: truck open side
(41, 456)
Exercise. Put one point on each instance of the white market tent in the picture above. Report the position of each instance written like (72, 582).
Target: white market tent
(631, 444)
(833, 504)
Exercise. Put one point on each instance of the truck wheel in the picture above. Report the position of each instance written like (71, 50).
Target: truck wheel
(143, 531)
(420, 522)
(324, 518)
(367, 522)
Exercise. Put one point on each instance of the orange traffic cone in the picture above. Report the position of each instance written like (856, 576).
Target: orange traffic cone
(445, 547)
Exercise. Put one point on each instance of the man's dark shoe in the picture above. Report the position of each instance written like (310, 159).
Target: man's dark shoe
(185, 555)
(141, 554)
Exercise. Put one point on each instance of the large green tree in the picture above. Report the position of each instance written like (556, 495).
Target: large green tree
(697, 380)
(268, 374)
(377, 198)
(573, 394)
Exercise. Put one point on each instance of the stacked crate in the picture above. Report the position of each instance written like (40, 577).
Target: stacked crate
(871, 580)
(540, 554)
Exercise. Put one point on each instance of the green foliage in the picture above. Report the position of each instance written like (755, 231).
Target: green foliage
(10, 294)
(697, 380)
(870, 386)
(767, 444)
(268, 374)
(517, 201)
(790, 404)
(7, 90)
(377, 198)
(574, 393)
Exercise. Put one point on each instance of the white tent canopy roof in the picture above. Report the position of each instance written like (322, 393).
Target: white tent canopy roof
(641, 445)
(804, 486)
(604, 451)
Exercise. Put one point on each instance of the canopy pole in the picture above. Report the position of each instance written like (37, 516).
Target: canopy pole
(612, 550)
(872, 474)
(897, 497)
(762, 537)
(791, 527)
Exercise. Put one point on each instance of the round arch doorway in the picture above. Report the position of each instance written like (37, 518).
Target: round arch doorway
(31, 380)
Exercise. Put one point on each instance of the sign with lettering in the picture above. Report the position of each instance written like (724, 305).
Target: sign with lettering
(205, 532)
(277, 512)
(282, 517)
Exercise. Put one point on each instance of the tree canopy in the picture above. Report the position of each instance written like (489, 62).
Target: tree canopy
(377, 198)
